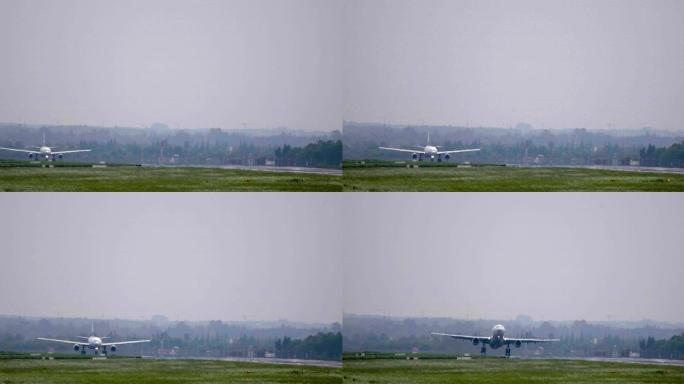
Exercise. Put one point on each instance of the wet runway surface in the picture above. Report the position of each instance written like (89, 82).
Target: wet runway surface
(260, 360)
(262, 168)
(626, 360)
(679, 171)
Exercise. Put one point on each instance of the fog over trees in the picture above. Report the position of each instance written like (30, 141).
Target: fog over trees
(579, 338)
(522, 144)
(179, 338)
(159, 144)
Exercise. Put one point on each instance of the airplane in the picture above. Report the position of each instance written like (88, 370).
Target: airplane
(430, 151)
(44, 152)
(496, 340)
(94, 342)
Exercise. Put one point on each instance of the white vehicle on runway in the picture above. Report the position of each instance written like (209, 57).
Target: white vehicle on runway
(430, 151)
(44, 152)
(94, 342)
(496, 340)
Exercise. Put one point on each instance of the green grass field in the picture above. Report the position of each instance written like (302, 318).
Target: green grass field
(143, 179)
(498, 370)
(124, 370)
(392, 177)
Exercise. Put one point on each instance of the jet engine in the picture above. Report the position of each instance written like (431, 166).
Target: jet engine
(31, 156)
(60, 156)
(476, 341)
(112, 348)
(77, 347)
(447, 156)
(518, 343)
(414, 156)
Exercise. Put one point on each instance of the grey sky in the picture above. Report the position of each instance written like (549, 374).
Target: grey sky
(552, 63)
(189, 63)
(188, 256)
(552, 256)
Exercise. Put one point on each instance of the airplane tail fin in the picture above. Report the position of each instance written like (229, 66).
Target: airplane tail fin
(428, 138)
(92, 327)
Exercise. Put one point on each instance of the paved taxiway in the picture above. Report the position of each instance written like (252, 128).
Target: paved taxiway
(626, 168)
(627, 360)
(262, 168)
(261, 360)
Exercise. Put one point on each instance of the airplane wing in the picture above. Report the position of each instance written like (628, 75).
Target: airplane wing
(513, 340)
(18, 150)
(126, 342)
(482, 339)
(75, 151)
(401, 150)
(62, 341)
(458, 151)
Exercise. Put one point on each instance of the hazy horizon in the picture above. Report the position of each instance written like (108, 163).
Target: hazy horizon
(199, 256)
(494, 63)
(560, 256)
(170, 319)
(513, 318)
(187, 63)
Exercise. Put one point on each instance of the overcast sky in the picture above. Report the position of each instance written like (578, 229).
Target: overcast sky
(553, 256)
(186, 256)
(552, 63)
(188, 63)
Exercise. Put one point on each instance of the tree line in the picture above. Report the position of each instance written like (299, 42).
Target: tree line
(326, 154)
(672, 156)
(322, 346)
(672, 348)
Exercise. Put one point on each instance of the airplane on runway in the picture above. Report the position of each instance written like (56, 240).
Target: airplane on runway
(429, 151)
(94, 342)
(496, 340)
(44, 152)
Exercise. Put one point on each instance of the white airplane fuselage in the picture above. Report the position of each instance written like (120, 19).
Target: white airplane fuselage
(430, 150)
(45, 151)
(497, 339)
(94, 342)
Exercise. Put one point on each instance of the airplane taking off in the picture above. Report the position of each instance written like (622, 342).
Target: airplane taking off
(496, 340)
(429, 150)
(45, 152)
(94, 342)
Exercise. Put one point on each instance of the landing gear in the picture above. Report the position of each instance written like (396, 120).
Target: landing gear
(83, 351)
(420, 157)
(483, 350)
(439, 158)
(508, 350)
(104, 351)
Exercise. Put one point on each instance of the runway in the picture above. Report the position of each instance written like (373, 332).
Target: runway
(626, 360)
(260, 360)
(261, 168)
(625, 168)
